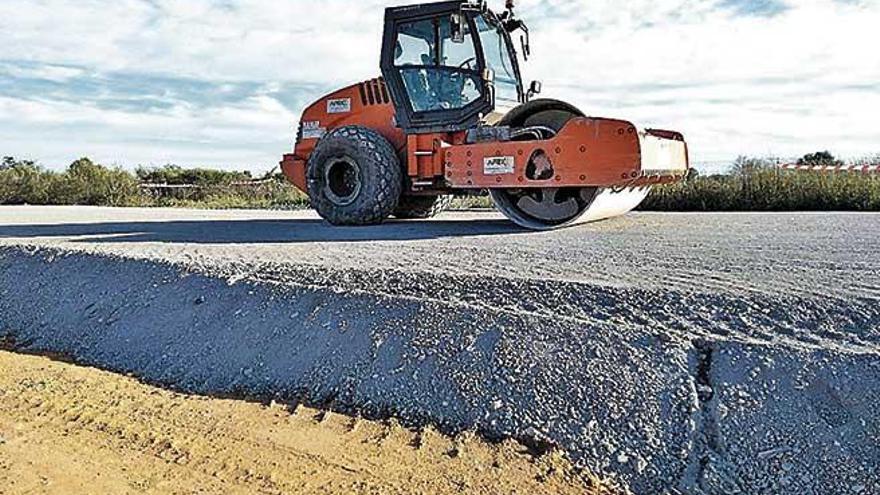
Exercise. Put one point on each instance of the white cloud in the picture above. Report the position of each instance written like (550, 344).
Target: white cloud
(247, 134)
(803, 79)
(241, 40)
(46, 72)
(783, 84)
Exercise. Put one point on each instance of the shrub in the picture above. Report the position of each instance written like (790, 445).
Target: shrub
(819, 158)
(87, 183)
(175, 175)
(24, 182)
(755, 185)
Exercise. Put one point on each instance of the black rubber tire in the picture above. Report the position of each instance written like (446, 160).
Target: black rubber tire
(379, 176)
(411, 207)
(547, 112)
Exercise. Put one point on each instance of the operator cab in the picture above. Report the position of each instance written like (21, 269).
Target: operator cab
(450, 64)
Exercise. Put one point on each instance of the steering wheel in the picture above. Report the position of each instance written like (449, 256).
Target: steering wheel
(467, 63)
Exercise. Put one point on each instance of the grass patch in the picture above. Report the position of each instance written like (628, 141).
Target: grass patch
(87, 183)
(754, 185)
(757, 185)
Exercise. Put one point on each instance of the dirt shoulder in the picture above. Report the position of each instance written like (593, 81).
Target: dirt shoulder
(69, 430)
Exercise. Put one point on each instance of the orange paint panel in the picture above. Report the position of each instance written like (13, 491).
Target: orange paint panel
(587, 152)
(295, 170)
(366, 104)
(422, 151)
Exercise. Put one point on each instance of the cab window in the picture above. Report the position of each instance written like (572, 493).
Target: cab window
(498, 58)
(437, 72)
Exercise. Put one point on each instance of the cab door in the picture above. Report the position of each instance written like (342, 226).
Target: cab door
(433, 64)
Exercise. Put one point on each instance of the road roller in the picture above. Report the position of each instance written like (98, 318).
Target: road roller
(451, 116)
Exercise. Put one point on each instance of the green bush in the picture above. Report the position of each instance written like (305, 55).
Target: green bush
(87, 183)
(175, 175)
(24, 182)
(204, 188)
(756, 185)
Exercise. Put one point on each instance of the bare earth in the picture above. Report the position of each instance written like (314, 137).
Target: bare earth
(71, 430)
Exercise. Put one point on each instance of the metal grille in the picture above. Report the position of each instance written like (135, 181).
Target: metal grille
(374, 92)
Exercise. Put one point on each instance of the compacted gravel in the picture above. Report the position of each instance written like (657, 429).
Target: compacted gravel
(732, 353)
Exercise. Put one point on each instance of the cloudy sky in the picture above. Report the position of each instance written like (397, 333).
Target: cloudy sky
(221, 83)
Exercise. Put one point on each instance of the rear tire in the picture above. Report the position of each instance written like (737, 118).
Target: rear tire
(354, 177)
(412, 207)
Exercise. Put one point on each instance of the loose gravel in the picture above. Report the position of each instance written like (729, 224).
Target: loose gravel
(749, 366)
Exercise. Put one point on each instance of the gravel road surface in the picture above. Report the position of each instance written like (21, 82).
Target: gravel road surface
(731, 353)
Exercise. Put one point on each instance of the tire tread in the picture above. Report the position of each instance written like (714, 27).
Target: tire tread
(381, 175)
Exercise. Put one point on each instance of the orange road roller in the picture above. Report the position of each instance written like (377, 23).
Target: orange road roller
(451, 116)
